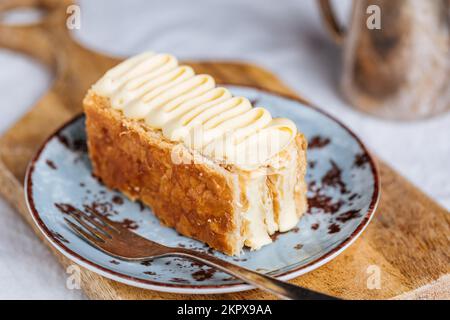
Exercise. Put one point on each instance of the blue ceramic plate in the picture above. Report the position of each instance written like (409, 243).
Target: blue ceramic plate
(343, 193)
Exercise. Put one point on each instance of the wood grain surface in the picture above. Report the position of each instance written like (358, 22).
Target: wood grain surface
(408, 238)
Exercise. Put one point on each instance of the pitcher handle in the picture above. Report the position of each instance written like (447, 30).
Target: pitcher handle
(336, 30)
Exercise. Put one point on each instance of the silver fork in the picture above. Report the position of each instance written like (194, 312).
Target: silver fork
(119, 242)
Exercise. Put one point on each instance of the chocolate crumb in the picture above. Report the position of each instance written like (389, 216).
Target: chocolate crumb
(179, 280)
(324, 203)
(349, 215)
(353, 196)
(333, 178)
(117, 200)
(51, 164)
(202, 275)
(66, 208)
(312, 186)
(129, 224)
(361, 159)
(333, 228)
(275, 236)
(318, 142)
(104, 208)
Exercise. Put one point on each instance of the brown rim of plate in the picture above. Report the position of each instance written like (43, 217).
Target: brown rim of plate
(370, 211)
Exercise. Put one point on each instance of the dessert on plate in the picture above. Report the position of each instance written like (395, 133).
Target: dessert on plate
(209, 164)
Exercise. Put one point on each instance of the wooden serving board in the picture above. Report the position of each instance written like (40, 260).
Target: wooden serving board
(408, 238)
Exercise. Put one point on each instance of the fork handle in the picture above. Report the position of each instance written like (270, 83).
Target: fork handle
(277, 287)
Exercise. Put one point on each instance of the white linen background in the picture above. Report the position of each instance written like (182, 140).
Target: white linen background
(287, 37)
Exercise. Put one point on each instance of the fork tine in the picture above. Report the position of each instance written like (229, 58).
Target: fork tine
(83, 234)
(102, 228)
(108, 223)
(99, 234)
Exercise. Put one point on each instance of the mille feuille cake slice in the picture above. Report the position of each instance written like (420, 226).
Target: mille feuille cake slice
(208, 164)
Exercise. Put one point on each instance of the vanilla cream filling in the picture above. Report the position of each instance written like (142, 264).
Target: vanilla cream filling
(189, 108)
(256, 231)
(260, 220)
(285, 182)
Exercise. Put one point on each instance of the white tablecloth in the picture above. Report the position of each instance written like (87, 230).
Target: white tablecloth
(287, 37)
